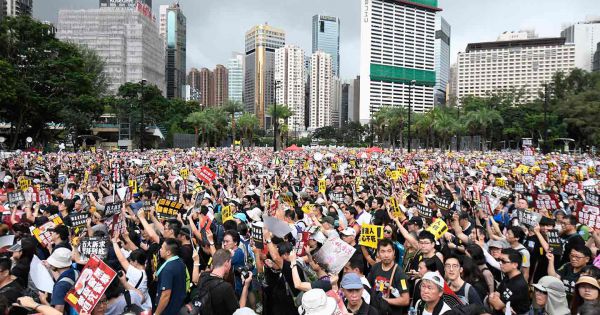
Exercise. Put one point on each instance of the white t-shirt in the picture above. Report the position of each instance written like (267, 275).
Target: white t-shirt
(133, 277)
(364, 218)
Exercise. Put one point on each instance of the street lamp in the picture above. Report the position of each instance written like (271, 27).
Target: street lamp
(142, 127)
(277, 83)
(458, 130)
(545, 147)
(410, 88)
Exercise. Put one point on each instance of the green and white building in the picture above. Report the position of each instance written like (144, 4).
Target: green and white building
(397, 47)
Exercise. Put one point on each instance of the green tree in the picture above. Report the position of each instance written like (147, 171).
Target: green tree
(233, 107)
(248, 124)
(279, 112)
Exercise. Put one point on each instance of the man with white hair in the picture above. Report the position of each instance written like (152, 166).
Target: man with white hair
(432, 290)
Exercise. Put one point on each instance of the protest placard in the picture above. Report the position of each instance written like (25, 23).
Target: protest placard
(172, 197)
(288, 200)
(15, 197)
(40, 276)
(300, 243)
(42, 196)
(442, 202)
(555, 242)
(184, 173)
(205, 174)
(396, 210)
(529, 218)
(307, 208)
(256, 232)
(24, 183)
(78, 221)
(500, 182)
(112, 208)
(421, 192)
(588, 215)
(546, 201)
(541, 178)
(520, 187)
(500, 192)
(277, 227)
(322, 186)
(167, 209)
(43, 234)
(591, 198)
(438, 228)
(370, 235)
(334, 255)
(572, 188)
(226, 214)
(116, 173)
(116, 225)
(89, 246)
(425, 212)
(95, 278)
(132, 183)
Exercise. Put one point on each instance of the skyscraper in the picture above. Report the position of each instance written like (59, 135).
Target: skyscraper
(336, 101)
(320, 90)
(173, 30)
(193, 78)
(15, 8)
(125, 38)
(205, 87)
(326, 37)
(397, 47)
(220, 85)
(235, 66)
(442, 59)
(585, 36)
(289, 70)
(259, 76)
(346, 99)
(597, 59)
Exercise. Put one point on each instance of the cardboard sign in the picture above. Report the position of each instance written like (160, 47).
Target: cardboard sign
(226, 214)
(95, 278)
(545, 201)
(112, 208)
(300, 243)
(438, 228)
(205, 174)
(592, 198)
(90, 246)
(167, 209)
(555, 242)
(16, 197)
(322, 186)
(396, 210)
(43, 234)
(529, 218)
(588, 215)
(334, 255)
(370, 235)
(256, 232)
(425, 212)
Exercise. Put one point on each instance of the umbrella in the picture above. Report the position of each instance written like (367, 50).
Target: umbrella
(293, 147)
(375, 150)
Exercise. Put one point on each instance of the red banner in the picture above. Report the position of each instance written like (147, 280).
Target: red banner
(95, 277)
(548, 202)
(588, 215)
(205, 174)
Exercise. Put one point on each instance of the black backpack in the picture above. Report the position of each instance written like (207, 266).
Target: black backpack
(202, 304)
(131, 308)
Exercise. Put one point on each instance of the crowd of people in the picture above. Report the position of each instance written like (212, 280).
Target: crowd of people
(312, 231)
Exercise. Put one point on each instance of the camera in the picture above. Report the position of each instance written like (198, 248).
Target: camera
(244, 271)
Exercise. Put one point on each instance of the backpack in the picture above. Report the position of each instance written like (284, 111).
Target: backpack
(202, 304)
(131, 308)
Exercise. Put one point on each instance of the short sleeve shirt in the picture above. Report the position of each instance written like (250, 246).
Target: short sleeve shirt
(172, 277)
(382, 284)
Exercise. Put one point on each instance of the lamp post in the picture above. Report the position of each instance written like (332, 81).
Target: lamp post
(142, 127)
(545, 147)
(277, 83)
(410, 87)
(458, 130)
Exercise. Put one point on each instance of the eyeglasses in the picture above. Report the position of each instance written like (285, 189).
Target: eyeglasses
(505, 261)
(448, 266)
(425, 243)
(576, 257)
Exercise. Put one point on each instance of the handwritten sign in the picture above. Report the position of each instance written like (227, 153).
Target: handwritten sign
(95, 278)
(370, 235)
(167, 209)
(205, 174)
(438, 228)
(334, 254)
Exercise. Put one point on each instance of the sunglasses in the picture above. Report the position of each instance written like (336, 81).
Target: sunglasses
(387, 231)
(505, 261)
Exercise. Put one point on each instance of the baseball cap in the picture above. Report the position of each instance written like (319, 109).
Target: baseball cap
(416, 220)
(351, 281)
(550, 283)
(348, 232)
(435, 278)
(60, 258)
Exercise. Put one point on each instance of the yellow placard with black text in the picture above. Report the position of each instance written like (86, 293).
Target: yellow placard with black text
(370, 235)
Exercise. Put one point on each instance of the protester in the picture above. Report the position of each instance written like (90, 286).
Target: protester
(432, 290)
(352, 287)
(550, 297)
(587, 292)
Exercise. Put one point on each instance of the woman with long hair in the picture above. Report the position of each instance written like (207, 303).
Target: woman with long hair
(476, 253)
(587, 292)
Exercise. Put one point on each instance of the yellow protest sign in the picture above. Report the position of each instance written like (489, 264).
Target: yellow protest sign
(353, 163)
(370, 235)
(388, 173)
(288, 200)
(371, 171)
(132, 183)
(86, 176)
(500, 182)
(184, 173)
(291, 162)
(307, 208)
(24, 183)
(396, 211)
(591, 170)
(334, 166)
(322, 186)
(93, 149)
(357, 182)
(226, 214)
(421, 192)
(395, 175)
(305, 165)
(237, 142)
(438, 228)
(402, 171)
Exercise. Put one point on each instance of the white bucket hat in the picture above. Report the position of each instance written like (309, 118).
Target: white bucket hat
(316, 302)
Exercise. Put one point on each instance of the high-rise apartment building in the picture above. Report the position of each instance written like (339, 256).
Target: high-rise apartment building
(125, 38)
(596, 66)
(326, 37)
(290, 74)
(193, 78)
(397, 49)
(442, 59)
(585, 36)
(346, 100)
(235, 68)
(504, 65)
(220, 85)
(173, 30)
(451, 93)
(205, 87)
(354, 102)
(259, 72)
(336, 101)
(321, 76)
(15, 8)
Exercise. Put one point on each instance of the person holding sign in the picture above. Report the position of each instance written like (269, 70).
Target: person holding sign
(389, 289)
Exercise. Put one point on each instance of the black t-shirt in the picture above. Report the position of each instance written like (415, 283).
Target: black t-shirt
(571, 241)
(419, 257)
(473, 295)
(223, 298)
(536, 258)
(381, 284)
(365, 309)
(516, 291)
(186, 255)
(569, 278)
(12, 291)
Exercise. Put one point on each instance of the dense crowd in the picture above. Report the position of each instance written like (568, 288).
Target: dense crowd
(313, 231)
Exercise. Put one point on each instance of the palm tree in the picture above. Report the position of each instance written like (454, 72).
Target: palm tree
(283, 112)
(218, 120)
(445, 125)
(199, 120)
(248, 123)
(481, 119)
(233, 107)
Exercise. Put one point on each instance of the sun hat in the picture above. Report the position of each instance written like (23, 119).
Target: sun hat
(60, 258)
(316, 302)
